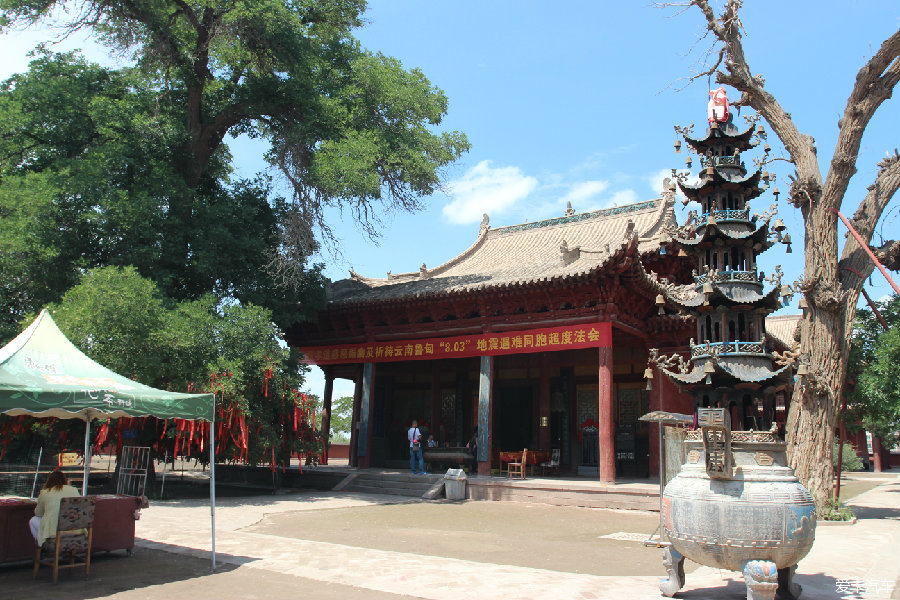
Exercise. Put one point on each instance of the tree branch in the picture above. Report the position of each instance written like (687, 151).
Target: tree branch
(866, 217)
(875, 83)
(728, 30)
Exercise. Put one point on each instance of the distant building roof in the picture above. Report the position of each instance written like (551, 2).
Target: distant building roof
(567, 246)
(781, 328)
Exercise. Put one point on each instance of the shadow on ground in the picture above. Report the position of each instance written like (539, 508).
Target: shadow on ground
(110, 573)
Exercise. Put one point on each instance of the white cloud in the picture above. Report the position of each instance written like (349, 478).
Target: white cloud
(484, 189)
(580, 192)
(627, 196)
(655, 181)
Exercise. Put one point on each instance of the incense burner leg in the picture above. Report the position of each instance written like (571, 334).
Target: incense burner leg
(787, 589)
(673, 561)
(761, 577)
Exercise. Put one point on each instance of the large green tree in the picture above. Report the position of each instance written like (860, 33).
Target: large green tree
(123, 321)
(88, 163)
(874, 403)
(347, 127)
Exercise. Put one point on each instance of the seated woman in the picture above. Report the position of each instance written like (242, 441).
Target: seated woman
(46, 513)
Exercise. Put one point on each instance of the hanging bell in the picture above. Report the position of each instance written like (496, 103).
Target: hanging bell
(765, 175)
(708, 368)
(775, 193)
(786, 240)
(767, 148)
(708, 288)
(779, 225)
(681, 252)
(688, 161)
(761, 130)
(802, 303)
(660, 303)
(711, 219)
(802, 369)
(677, 146)
(648, 373)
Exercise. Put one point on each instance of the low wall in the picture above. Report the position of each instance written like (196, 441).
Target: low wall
(339, 451)
(263, 477)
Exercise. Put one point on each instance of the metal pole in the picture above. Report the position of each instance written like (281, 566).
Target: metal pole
(212, 480)
(865, 246)
(87, 454)
(37, 470)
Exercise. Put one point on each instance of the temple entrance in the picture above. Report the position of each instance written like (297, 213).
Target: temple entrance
(514, 418)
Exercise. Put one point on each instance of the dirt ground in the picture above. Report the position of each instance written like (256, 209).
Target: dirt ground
(522, 534)
(157, 575)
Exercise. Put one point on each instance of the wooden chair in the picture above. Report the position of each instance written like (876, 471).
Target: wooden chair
(516, 470)
(75, 516)
(552, 464)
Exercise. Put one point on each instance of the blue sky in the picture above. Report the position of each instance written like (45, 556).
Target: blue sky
(575, 101)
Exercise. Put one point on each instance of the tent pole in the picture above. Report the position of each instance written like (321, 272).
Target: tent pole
(87, 454)
(212, 481)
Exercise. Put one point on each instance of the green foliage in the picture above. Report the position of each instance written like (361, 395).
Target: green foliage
(874, 403)
(341, 418)
(122, 321)
(347, 127)
(88, 175)
(850, 460)
(837, 511)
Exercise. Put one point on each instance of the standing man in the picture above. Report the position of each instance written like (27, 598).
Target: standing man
(415, 448)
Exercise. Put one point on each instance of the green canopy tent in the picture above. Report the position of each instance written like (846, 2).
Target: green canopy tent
(43, 374)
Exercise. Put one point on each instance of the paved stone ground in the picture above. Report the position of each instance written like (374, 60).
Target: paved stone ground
(276, 546)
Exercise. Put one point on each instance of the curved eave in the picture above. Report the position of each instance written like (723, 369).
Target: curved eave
(722, 176)
(706, 233)
(745, 297)
(731, 369)
(729, 131)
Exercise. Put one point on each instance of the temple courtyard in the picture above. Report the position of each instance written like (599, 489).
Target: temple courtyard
(330, 545)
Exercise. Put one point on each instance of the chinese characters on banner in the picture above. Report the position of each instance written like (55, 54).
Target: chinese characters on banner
(570, 337)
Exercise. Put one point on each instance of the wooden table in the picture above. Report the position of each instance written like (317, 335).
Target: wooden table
(535, 457)
(113, 526)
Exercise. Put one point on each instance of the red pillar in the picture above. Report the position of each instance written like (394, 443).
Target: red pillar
(656, 403)
(606, 416)
(544, 403)
(876, 454)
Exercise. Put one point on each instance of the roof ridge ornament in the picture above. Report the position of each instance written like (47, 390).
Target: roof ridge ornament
(485, 225)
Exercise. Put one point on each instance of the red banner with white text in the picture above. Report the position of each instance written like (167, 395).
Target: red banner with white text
(552, 339)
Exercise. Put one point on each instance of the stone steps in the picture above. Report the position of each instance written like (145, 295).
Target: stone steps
(396, 484)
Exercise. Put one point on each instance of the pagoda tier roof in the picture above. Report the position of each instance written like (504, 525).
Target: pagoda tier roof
(727, 130)
(723, 176)
(730, 370)
(728, 293)
(735, 230)
(517, 255)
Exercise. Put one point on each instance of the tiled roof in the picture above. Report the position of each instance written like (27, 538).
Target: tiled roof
(781, 328)
(519, 254)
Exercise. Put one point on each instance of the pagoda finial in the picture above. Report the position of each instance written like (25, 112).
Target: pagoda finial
(717, 109)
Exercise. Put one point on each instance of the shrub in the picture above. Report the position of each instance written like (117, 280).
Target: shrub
(851, 460)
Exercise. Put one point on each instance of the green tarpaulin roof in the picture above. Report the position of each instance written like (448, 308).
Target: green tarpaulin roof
(43, 374)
